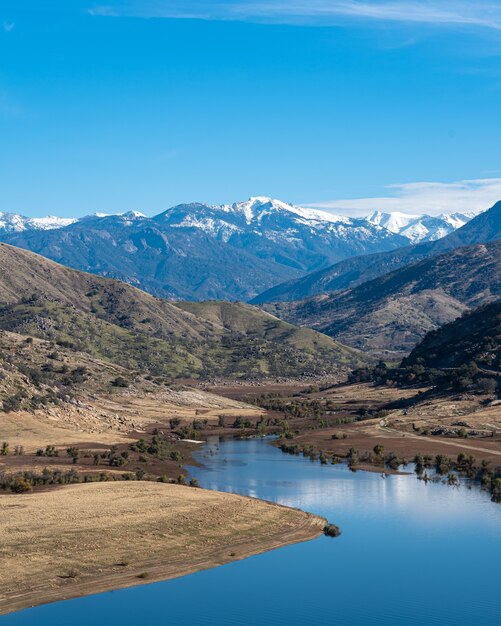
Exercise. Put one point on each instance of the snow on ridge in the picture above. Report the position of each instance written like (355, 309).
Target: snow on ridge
(208, 225)
(419, 227)
(257, 206)
(51, 222)
(266, 215)
(132, 214)
(12, 222)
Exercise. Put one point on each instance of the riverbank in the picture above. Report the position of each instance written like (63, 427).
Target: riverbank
(86, 539)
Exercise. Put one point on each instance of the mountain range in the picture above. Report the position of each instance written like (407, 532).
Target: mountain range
(354, 271)
(394, 312)
(199, 251)
(417, 228)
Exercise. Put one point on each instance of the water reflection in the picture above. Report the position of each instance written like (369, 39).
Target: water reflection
(410, 554)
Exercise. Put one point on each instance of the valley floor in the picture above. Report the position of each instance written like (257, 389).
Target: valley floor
(123, 522)
(406, 422)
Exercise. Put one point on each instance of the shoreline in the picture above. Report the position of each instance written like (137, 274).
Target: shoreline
(113, 550)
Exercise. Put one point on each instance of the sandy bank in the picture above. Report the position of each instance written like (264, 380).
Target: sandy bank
(85, 539)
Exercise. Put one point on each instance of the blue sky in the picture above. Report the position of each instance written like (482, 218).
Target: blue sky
(131, 104)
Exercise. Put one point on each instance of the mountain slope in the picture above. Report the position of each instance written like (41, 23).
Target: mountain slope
(395, 311)
(196, 251)
(352, 272)
(121, 324)
(473, 337)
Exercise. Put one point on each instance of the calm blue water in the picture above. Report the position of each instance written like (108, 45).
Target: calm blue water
(410, 554)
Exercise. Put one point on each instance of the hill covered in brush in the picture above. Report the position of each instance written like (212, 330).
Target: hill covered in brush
(395, 311)
(120, 324)
(474, 338)
(462, 356)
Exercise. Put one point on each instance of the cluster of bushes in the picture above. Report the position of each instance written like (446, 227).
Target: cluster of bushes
(467, 377)
(159, 447)
(22, 482)
(241, 422)
(464, 465)
(296, 408)
(49, 451)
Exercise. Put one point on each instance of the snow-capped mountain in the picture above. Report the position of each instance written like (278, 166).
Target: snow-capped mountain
(201, 251)
(418, 228)
(273, 220)
(14, 223)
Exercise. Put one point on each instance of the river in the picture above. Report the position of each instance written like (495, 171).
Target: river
(410, 554)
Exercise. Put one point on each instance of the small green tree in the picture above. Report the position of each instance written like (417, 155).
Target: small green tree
(73, 453)
(21, 485)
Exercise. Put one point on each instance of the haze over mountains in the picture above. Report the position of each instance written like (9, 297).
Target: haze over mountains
(197, 252)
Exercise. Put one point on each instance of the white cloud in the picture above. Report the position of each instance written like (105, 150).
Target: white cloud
(483, 13)
(8, 26)
(431, 198)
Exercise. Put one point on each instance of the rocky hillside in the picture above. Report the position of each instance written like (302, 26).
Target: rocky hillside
(352, 272)
(120, 324)
(394, 312)
(474, 338)
(462, 357)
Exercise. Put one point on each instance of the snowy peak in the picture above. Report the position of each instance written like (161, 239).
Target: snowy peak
(133, 215)
(128, 215)
(417, 228)
(265, 217)
(257, 207)
(14, 223)
(258, 213)
(394, 222)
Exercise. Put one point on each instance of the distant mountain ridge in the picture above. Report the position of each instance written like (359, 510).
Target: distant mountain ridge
(419, 228)
(352, 272)
(415, 228)
(199, 252)
(394, 312)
